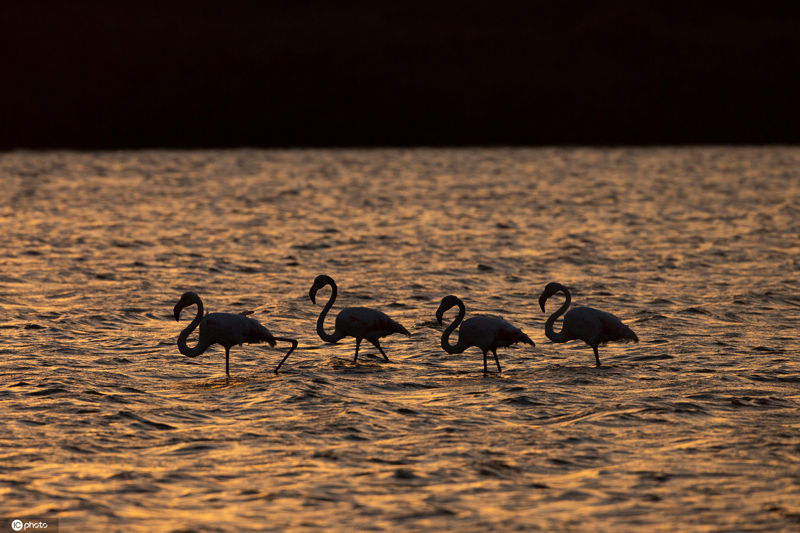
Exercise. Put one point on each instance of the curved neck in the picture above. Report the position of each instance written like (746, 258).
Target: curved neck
(321, 320)
(202, 344)
(548, 326)
(459, 347)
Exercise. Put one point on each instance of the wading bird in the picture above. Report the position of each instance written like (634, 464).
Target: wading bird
(225, 329)
(584, 323)
(484, 332)
(359, 322)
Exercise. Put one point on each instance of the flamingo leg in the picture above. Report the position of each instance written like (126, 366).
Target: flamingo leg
(596, 355)
(485, 368)
(377, 344)
(358, 343)
(496, 360)
(285, 357)
(227, 361)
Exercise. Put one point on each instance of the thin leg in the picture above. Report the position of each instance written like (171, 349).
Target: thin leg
(294, 345)
(377, 344)
(496, 360)
(358, 343)
(485, 368)
(227, 360)
(596, 355)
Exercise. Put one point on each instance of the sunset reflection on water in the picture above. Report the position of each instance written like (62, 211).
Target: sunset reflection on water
(694, 428)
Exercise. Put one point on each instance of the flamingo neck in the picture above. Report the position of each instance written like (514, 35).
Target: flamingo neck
(202, 344)
(336, 337)
(548, 326)
(460, 346)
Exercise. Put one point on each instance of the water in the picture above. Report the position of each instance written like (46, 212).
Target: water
(108, 428)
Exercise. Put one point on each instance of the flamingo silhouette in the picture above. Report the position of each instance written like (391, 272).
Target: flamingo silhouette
(485, 332)
(359, 322)
(585, 323)
(225, 329)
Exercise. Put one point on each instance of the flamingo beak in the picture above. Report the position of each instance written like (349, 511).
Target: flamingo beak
(177, 312)
(313, 293)
(542, 300)
(439, 314)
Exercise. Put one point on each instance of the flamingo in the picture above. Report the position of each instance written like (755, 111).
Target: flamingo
(482, 331)
(225, 329)
(359, 322)
(584, 323)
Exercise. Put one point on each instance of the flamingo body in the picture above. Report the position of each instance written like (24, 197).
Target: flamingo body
(486, 333)
(358, 322)
(592, 326)
(366, 323)
(226, 329)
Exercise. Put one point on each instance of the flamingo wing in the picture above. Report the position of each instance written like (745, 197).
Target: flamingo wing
(254, 332)
(614, 330)
(508, 333)
(596, 327)
(487, 333)
(362, 322)
(229, 329)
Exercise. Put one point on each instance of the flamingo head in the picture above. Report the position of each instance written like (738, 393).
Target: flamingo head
(549, 290)
(448, 302)
(542, 300)
(320, 282)
(188, 298)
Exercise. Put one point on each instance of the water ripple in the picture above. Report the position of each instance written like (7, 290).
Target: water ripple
(108, 426)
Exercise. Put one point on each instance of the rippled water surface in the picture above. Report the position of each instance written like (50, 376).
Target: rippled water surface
(107, 427)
